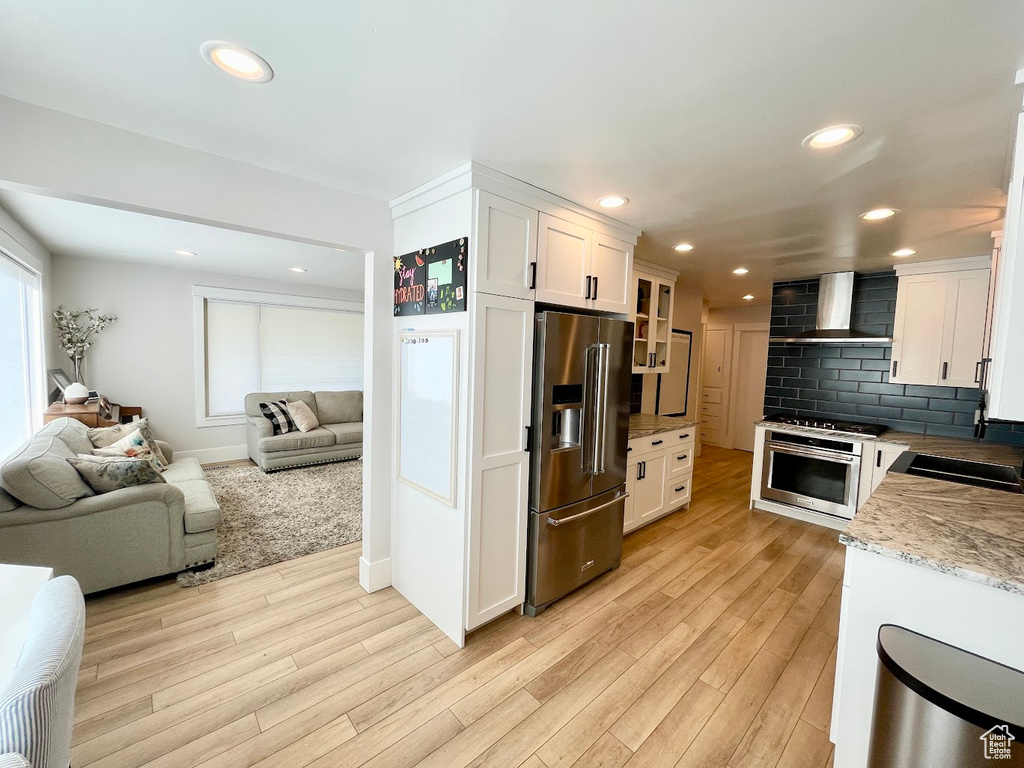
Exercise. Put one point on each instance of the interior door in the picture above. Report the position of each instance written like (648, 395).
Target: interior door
(506, 247)
(563, 261)
(714, 357)
(611, 265)
(917, 338)
(963, 339)
(747, 399)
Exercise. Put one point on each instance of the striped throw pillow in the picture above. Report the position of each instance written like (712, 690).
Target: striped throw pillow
(277, 412)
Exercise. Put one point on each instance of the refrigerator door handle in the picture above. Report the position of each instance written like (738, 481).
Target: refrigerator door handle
(589, 426)
(601, 434)
(564, 520)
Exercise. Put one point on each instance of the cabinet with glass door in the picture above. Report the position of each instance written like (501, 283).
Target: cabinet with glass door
(652, 320)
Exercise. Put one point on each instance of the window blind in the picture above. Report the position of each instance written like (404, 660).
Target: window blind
(254, 347)
(21, 366)
(232, 356)
(310, 349)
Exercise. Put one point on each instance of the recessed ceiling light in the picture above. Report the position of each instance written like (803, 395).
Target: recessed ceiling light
(833, 136)
(904, 252)
(237, 61)
(296, 269)
(181, 252)
(877, 214)
(748, 297)
(683, 247)
(740, 271)
(612, 201)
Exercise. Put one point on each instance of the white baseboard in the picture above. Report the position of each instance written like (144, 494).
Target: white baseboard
(213, 455)
(374, 576)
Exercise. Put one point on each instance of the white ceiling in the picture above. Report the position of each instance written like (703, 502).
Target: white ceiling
(72, 228)
(693, 109)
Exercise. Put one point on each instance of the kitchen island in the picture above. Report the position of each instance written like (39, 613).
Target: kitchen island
(942, 559)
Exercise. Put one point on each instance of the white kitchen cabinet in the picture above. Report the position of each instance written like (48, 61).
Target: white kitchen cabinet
(939, 333)
(659, 475)
(878, 457)
(651, 309)
(1006, 379)
(577, 267)
(563, 262)
(504, 261)
(501, 395)
(611, 266)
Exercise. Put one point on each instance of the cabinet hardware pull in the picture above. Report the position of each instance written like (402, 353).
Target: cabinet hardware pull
(657, 442)
(629, 450)
(681, 458)
(894, 364)
(945, 370)
(681, 487)
(683, 437)
(595, 287)
(533, 275)
(878, 463)
(527, 448)
(589, 280)
(653, 361)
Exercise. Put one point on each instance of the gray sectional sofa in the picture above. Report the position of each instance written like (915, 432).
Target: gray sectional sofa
(50, 517)
(339, 436)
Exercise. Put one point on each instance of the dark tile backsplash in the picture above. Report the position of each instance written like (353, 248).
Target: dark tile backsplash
(851, 382)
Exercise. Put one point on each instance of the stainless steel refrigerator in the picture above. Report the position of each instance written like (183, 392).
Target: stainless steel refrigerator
(578, 452)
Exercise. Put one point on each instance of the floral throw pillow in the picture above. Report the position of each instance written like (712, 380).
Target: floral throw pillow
(132, 445)
(277, 413)
(111, 473)
(103, 437)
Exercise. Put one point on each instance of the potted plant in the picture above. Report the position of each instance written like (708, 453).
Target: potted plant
(75, 330)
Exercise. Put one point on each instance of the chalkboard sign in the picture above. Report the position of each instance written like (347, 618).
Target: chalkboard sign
(432, 281)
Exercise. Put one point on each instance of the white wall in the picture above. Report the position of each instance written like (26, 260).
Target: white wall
(734, 315)
(146, 358)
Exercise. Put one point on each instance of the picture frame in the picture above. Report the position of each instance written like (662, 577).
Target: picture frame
(61, 381)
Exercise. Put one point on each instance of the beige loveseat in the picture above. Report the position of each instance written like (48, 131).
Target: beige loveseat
(339, 436)
(49, 516)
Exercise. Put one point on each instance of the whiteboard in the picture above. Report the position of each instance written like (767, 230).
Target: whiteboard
(428, 412)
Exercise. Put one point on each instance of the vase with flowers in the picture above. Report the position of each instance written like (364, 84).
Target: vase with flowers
(75, 331)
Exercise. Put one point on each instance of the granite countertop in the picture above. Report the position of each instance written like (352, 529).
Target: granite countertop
(646, 424)
(958, 447)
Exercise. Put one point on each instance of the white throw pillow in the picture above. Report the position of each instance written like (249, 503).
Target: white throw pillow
(303, 416)
(132, 445)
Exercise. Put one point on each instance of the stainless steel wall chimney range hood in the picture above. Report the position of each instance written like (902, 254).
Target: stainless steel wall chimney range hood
(835, 307)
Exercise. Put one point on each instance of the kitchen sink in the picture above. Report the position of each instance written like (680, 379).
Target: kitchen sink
(998, 477)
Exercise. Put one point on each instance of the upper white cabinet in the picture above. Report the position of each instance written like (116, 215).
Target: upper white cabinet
(651, 307)
(1006, 380)
(577, 267)
(939, 332)
(506, 247)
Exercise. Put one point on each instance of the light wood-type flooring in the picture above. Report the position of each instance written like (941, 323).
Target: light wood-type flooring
(713, 644)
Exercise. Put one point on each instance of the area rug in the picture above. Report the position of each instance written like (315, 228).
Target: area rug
(281, 516)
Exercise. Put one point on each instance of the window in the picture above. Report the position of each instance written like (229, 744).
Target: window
(254, 342)
(21, 355)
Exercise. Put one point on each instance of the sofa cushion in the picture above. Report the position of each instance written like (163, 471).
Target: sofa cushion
(277, 414)
(38, 474)
(112, 473)
(183, 470)
(346, 434)
(253, 400)
(7, 502)
(202, 512)
(340, 407)
(73, 433)
(302, 416)
(132, 445)
(315, 438)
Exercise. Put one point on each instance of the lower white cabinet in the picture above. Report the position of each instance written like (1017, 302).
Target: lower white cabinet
(878, 457)
(659, 476)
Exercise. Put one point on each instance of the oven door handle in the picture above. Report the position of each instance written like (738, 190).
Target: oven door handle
(564, 520)
(823, 455)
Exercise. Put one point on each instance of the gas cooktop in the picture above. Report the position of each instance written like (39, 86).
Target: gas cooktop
(829, 425)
